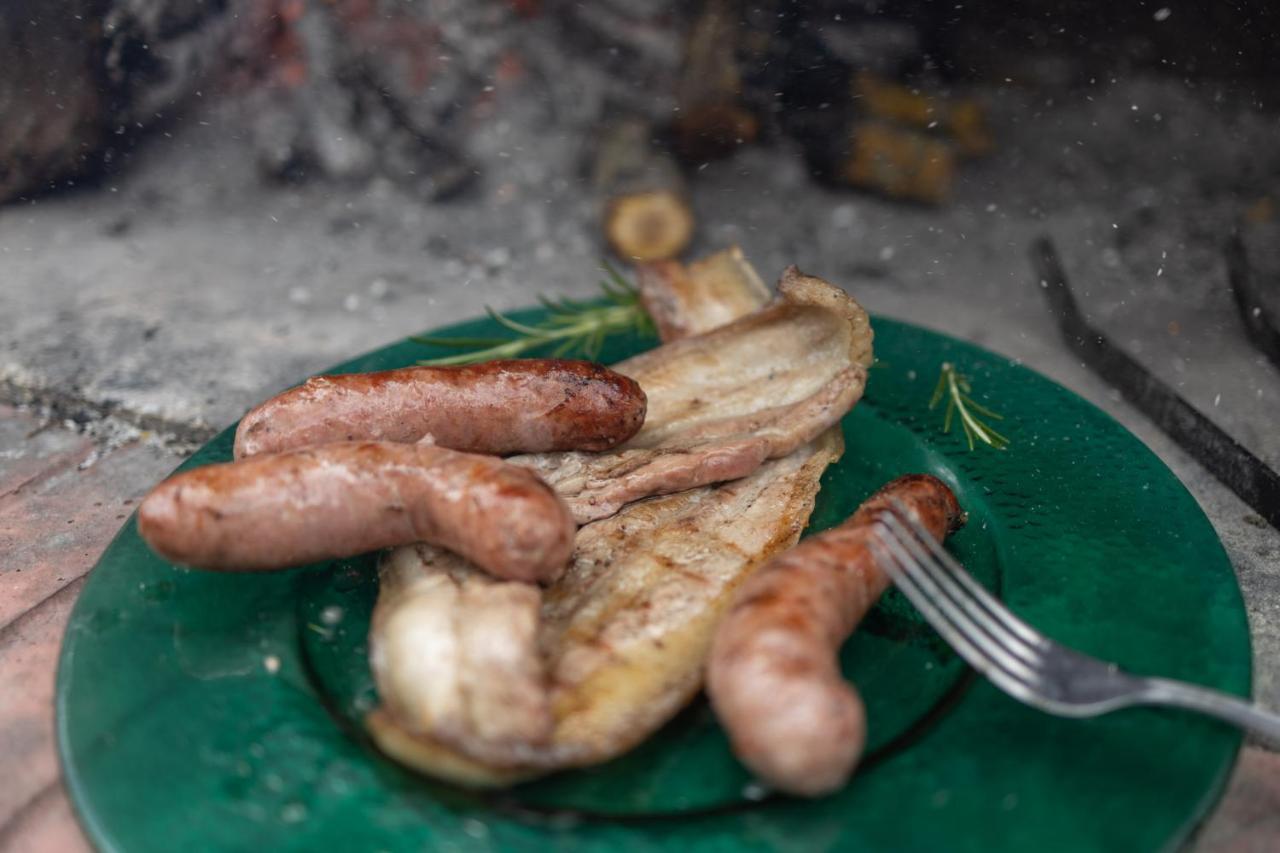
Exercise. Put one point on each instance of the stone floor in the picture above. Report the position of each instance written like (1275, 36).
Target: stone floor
(139, 316)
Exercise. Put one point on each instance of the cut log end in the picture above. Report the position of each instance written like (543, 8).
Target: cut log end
(899, 163)
(648, 226)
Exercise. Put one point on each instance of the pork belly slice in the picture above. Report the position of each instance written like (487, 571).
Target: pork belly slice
(743, 420)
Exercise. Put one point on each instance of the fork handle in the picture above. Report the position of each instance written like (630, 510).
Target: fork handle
(1214, 703)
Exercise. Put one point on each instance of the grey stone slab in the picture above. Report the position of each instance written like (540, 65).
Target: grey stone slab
(189, 300)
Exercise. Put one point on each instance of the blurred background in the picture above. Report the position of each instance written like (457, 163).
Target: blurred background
(206, 199)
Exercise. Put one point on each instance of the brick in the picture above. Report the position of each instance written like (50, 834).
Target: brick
(1248, 820)
(55, 519)
(54, 527)
(47, 825)
(29, 449)
(28, 663)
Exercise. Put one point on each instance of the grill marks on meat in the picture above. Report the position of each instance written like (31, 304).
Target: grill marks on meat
(626, 641)
(498, 407)
(722, 403)
(624, 633)
(622, 637)
(773, 675)
(719, 451)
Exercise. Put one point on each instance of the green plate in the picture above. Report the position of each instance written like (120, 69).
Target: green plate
(201, 711)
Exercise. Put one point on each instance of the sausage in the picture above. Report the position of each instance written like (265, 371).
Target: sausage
(499, 407)
(346, 498)
(773, 675)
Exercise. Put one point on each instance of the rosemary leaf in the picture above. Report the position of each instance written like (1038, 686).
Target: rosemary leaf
(957, 390)
(518, 328)
(428, 340)
(570, 326)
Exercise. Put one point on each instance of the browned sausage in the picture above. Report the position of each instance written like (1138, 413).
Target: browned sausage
(522, 406)
(773, 675)
(346, 498)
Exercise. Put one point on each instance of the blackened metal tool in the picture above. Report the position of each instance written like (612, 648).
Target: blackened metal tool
(1239, 470)
(1253, 312)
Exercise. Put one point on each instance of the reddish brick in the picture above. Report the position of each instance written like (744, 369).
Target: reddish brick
(1248, 821)
(28, 661)
(54, 527)
(47, 825)
(55, 519)
(28, 451)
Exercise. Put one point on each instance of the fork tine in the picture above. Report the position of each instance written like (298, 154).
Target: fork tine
(988, 667)
(891, 556)
(958, 627)
(993, 606)
(944, 580)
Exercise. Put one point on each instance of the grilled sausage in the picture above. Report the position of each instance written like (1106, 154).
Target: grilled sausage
(773, 675)
(499, 407)
(346, 498)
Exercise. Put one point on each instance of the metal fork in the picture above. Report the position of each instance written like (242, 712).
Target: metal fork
(1019, 659)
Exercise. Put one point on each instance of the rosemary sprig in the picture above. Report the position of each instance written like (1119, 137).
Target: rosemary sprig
(572, 326)
(954, 386)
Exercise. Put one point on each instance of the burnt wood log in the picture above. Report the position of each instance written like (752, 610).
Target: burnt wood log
(645, 208)
(81, 78)
(710, 119)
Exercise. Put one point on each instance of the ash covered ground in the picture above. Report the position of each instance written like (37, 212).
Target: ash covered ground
(184, 287)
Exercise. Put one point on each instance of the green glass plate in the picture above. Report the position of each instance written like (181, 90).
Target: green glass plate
(202, 711)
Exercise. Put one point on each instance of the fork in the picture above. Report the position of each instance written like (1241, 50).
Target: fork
(1017, 658)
